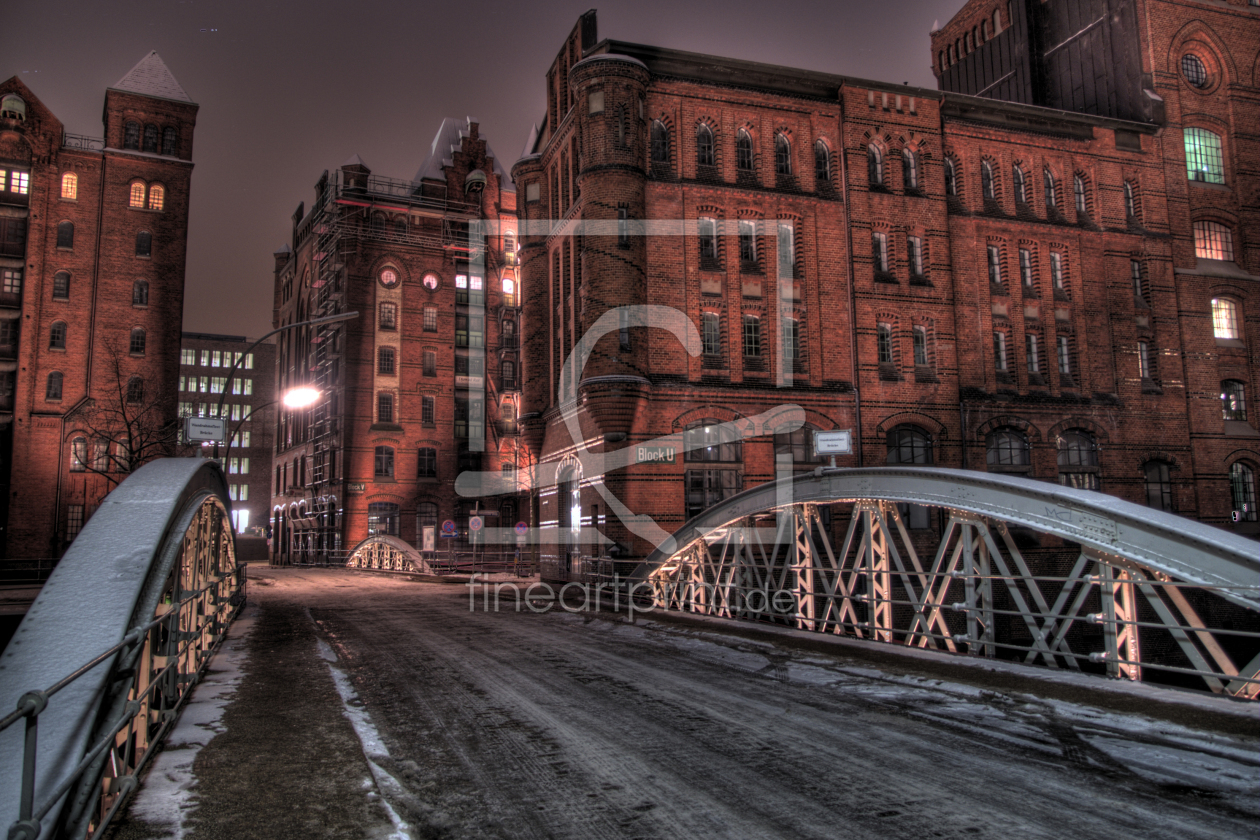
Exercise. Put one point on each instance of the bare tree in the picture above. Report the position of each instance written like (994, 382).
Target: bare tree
(128, 424)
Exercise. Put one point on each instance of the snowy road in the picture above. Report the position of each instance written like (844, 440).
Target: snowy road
(485, 724)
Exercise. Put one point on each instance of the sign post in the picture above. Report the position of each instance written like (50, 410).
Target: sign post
(833, 443)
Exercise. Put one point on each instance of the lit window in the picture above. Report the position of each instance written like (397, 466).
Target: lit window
(1213, 241)
(1225, 318)
(157, 197)
(11, 281)
(430, 319)
(70, 186)
(509, 292)
(19, 182)
(188, 357)
(430, 281)
(137, 194)
(1204, 161)
(389, 278)
(1193, 70)
(12, 107)
(1234, 400)
(78, 454)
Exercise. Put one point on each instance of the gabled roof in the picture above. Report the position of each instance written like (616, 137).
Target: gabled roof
(446, 144)
(150, 77)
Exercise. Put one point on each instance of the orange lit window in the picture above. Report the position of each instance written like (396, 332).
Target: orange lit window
(157, 197)
(137, 195)
(70, 185)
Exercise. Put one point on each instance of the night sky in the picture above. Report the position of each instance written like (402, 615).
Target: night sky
(290, 89)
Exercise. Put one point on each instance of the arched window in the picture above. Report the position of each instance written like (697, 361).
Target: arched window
(136, 195)
(704, 146)
(138, 341)
(383, 464)
(782, 155)
(135, 390)
(53, 389)
(140, 293)
(1019, 184)
(909, 445)
(1225, 318)
(65, 235)
(1234, 400)
(874, 166)
(951, 177)
(385, 408)
(150, 139)
(1158, 485)
(57, 336)
(385, 361)
(61, 285)
(157, 197)
(920, 346)
(131, 135)
(1130, 200)
(743, 151)
(427, 512)
(1213, 241)
(70, 186)
(1078, 460)
(1051, 189)
(884, 344)
(708, 440)
(660, 143)
(987, 185)
(796, 447)
(1193, 70)
(13, 107)
(1242, 491)
(144, 244)
(78, 454)
(910, 169)
(1078, 190)
(1204, 161)
(383, 516)
(1008, 448)
(170, 142)
(822, 165)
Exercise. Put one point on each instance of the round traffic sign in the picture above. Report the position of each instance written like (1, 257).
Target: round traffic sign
(475, 523)
(448, 527)
(521, 529)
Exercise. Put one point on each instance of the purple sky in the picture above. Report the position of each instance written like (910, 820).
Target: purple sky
(288, 89)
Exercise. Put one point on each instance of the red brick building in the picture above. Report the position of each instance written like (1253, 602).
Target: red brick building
(92, 248)
(425, 383)
(962, 281)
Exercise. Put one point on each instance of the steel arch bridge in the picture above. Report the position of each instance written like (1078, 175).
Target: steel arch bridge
(1131, 590)
(113, 646)
(387, 554)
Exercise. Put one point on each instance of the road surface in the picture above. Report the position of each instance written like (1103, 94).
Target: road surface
(361, 706)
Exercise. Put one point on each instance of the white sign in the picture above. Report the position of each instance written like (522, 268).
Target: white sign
(427, 541)
(838, 442)
(205, 428)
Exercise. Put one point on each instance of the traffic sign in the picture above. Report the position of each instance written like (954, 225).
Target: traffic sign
(448, 528)
(475, 523)
(521, 529)
(838, 442)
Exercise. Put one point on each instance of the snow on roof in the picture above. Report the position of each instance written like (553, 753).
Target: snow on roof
(355, 160)
(530, 142)
(446, 144)
(150, 77)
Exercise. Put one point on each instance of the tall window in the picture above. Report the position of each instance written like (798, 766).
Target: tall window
(1242, 490)
(11, 281)
(884, 343)
(140, 293)
(1225, 318)
(150, 139)
(919, 341)
(1078, 460)
(910, 169)
(427, 463)
(138, 341)
(1234, 400)
(1007, 448)
(1139, 282)
(796, 446)
(712, 334)
(53, 389)
(911, 445)
(65, 235)
(1056, 271)
(1130, 200)
(660, 144)
(144, 244)
(1158, 485)
(951, 177)
(1065, 356)
(429, 318)
(710, 441)
(782, 155)
(879, 251)
(136, 195)
(1033, 353)
(706, 488)
(822, 165)
(507, 374)
(995, 265)
(385, 408)
(707, 229)
(1051, 190)
(748, 242)
(999, 351)
(1213, 241)
(384, 462)
(791, 342)
(388, 319)
(135, 390)
(1019, 184)
(752, 336)
(170, 142)
(70, 186)
(131, 135)
(743, 151)
(1078, 192)
(874, 166)
(987, 185)
(157, 197)
(428, 365)
(914, 251)
(704, 146)
(507, 333)
(385, 361)
(1145, 369)
(61, 286)
(1025, 269)
(78, 454)
(787, 250)
(57, 336)
(427, 412)
(382, 518)
(509, 292)
(1204, 161)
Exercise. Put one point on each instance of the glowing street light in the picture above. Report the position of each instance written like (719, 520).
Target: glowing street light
(301, 397)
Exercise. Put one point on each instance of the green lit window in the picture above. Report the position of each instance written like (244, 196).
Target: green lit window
(1203, 156)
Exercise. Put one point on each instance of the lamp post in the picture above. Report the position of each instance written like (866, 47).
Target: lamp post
(314, 322)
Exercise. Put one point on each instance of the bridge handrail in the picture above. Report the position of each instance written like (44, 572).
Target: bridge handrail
(1186, 549)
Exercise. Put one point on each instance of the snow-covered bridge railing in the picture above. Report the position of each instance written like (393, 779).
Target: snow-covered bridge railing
(112, 646)
(1117, 588)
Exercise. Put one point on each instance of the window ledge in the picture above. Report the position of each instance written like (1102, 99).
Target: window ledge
(1209, 185)
(885, 277)
(1240, 428)
(427, 479)
(385, 427)
(1231, 342)
(1150, 386)
(920, 280)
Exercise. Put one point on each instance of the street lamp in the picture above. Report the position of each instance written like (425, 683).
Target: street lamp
(314, 322)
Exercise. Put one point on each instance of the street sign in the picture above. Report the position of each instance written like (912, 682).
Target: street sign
(655, 454)
(427, 541)
(475, 523)
(521, 529)
(837, 442)
(205, 428)
(355, 488)
(448, 528)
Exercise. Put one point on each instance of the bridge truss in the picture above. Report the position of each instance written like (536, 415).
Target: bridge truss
(1013, 569)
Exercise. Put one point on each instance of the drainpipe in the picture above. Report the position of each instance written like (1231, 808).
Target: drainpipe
(848, 230)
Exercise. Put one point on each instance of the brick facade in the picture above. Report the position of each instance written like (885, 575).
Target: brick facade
(99, 239)
(899, 283)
